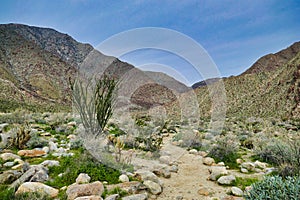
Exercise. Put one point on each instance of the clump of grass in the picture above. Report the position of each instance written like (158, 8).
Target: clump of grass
(244, 182)
(71, 167)
(116, 190)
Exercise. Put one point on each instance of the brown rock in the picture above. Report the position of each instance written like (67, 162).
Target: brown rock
(31, 153)
(37, 187)
(203, 191)
(95, 188)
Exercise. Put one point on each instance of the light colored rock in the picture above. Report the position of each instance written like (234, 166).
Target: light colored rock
(93, 197)
(41, 175)
(31, 153)
(208, 161)
(37, 187)
(237, 191)
(220, 164)
(83, 178)
(217, 171)
(165, 160)
(226, 180)
(260, 165)
(8, 164)
(130, 187)
(123, 178)
(9, 176)
(174, 168)
(243, 170)
(17, 160)
(112, 197)
(136, 197)
(74, 191)
(52, 146)
(9, 156)
(166, 173)
(72, 124)
(154, 188)
(50, 163)
(46, 149)
(239, 161)
(18, 166)
(202, 153)
(248, 165)
(193, 151)
(203, 191)
(147, 176)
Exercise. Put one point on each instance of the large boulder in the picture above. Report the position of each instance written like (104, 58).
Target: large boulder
(75, 190)
(31, 153)
(9, 156)
(29, 187)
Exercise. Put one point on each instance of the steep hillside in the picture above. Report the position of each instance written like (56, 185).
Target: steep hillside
(270, 88)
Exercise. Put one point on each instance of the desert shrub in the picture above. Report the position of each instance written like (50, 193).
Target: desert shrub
(94, 101)
(21, 135)
(36, 141)
(76, 144)
(275, 188)
(283, 153)
(71, 167)
(226, 150)
(190, 139)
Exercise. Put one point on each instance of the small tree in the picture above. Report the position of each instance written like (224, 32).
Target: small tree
(94, 101)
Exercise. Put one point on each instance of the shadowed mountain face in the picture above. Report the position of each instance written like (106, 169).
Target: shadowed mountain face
(37, 63)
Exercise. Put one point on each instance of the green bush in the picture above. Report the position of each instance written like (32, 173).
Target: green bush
(275, 188)
(226, 150)
(36, 141)
(284, 154)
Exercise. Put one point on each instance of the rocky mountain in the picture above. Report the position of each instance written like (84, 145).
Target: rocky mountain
(269, 88)
(36, 64)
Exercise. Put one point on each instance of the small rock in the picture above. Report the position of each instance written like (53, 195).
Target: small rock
(237, 191)
(154, 188)
(50, 163)
(72, 124)
(202, 153)
(217, 171)
(193, 151)
(174, 168)
(46, 149)
(18, 166)
(8, 164)
(9, 156)
(208, 161)
(17, 160)
(46, 134)
(136, 197)
(221, 164)
(37, 187)
(112, 197)
(165, 160)
(93, 197)
(260, 165)
(31, 153)
(166, 173)
(123, 178)
(226, 180)
(147, 175)
(203, 191)
(83, 178)
(248, 165)
(239, 161)
(95, 188)
(243, 170)
(52, 146)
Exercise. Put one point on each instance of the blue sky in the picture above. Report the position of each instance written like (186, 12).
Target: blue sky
(234, 33)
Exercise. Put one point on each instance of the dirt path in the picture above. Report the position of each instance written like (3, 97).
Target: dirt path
(191, 177)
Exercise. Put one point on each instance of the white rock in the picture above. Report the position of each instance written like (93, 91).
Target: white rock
(248, 165)
(75, 190)
(50, 163)
(52, 146)
(123, 178)
(93, 197)
(46, 149)
(226, 180)
(165, 160)
(217, 171)
(154, 188)
(37, 187)
(243, 170)
(237, 191)
(8, 164)
(136, 197)
(83, 178)
(193, 151)
(260, 165)
(208, 161)
(9, 156)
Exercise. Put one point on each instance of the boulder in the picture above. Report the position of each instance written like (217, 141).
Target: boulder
(9, 156)
(31, 153)
(9, 176)
(208, 161)
(237, 191)
(83, 178)
(75, 190)
(123, 178)
(217, 171)
(37, 187)
(153, 187)
(226, 180)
